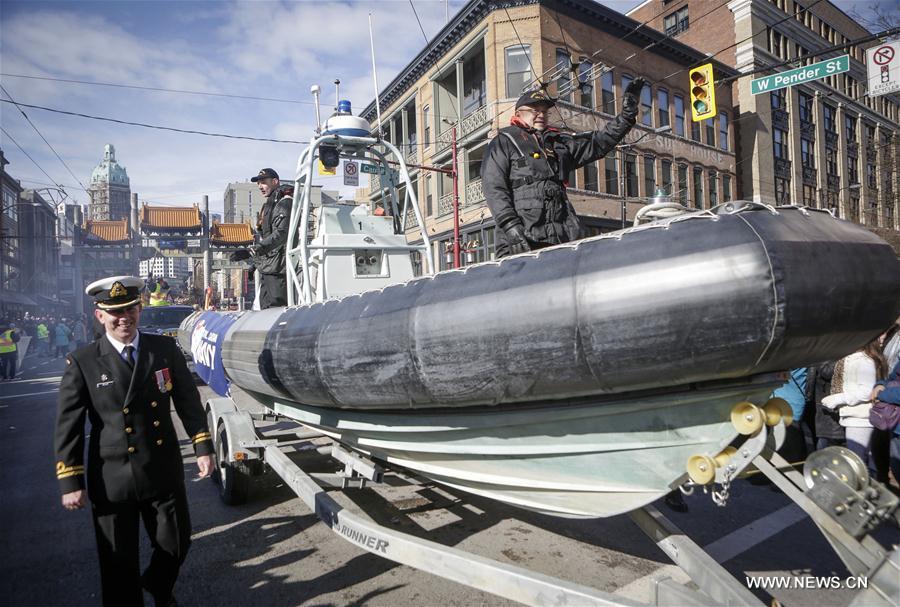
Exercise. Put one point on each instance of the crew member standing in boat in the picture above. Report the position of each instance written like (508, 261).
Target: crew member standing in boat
(526, 167)
(268, 254)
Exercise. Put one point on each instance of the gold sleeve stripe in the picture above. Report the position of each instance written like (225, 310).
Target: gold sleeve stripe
(70, 473)
(202, 436)
(62, 469)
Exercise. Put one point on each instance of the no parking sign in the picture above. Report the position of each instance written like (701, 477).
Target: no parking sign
(351, 173)
(883, 67)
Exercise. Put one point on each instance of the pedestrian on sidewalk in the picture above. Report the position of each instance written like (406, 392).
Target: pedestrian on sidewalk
(9, 353)
(125, 383)
(43, 338)
(61, 338)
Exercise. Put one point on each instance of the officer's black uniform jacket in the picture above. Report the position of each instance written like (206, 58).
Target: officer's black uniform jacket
(274, 219)
(133, 454)
(524, 172)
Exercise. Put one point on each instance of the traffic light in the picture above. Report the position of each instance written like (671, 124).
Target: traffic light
(703, 93)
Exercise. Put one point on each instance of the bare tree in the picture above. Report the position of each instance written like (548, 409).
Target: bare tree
(879, 15)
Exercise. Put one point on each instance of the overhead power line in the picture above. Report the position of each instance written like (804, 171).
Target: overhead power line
(29, 156)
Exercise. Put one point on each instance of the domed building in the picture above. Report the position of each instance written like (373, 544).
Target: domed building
(110, 189)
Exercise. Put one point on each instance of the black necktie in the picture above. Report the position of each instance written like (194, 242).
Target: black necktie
(129, 356)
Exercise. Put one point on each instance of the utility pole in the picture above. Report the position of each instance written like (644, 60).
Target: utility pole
(135, 237)
(204, 241)
(455, 176)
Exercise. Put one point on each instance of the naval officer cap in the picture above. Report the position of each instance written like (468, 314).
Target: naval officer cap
(116, 292)
(265, 174)
(538, 97)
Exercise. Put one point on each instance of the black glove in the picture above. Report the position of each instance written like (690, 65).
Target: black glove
(239, 255)
(632, 97)
(515, 234)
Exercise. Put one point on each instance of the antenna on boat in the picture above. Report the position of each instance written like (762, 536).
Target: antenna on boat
(314, 89)
(375, 75)
(337, 93)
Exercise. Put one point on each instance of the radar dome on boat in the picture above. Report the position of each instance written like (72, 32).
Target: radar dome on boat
(343, 122)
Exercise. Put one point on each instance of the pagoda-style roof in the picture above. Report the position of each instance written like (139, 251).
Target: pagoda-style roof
(170, 219)
(230, 234)
(106, 232)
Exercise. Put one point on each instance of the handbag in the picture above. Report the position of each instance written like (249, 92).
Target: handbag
(884, 416)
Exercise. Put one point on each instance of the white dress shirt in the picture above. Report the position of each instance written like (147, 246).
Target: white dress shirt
(120, 347)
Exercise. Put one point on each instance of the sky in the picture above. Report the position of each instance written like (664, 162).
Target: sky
(261, 48)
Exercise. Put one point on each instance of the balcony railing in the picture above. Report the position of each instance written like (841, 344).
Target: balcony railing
(374, 184)
(411, 221)
(474, 193)
(468, 124)
(808, 129)
(853, 148)
(834, 181)
(445, 204)
(871, 153)
(831, 139)
(809, 175)
(780, 118)
(783, 168)
(412, 157)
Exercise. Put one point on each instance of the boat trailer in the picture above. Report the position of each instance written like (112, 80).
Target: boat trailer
(834, 490)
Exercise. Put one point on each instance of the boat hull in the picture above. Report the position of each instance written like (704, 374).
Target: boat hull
(589, 458)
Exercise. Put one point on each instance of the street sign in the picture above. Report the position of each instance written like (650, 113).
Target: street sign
(373, 169)
(883, 69)
(351, 173)
(813, 71)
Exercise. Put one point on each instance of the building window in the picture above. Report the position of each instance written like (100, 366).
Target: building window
(666, 167)
(647, 106)
(662, 100)
(710, 131)
(782, 191)
(828, 114)
(778, 99)
(695, 131)
(682, 184)
(779, 143)
(870, 175)
(591, 177)
(679, 115)
(698, 188)
(852, 170)
(649, 176)
(607, 82)
(564, 80)
(676, 22)
(474, 83)
(807, 153)
(726, 188)
(517, 70)
(809, 196)
(611, 175)
(831, 161)
(631, 178)
(713, 189)
(429, 198)
(585, 83)
(723, 130)
(426, 124)
(806, 107)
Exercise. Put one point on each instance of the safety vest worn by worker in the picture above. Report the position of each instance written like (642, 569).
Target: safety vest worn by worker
(158, 296)
(42, 331)
(7, 344)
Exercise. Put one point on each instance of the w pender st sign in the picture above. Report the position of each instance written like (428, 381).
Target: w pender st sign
(814, 71)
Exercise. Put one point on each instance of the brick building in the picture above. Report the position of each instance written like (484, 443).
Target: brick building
(471, 73)
(822, 143)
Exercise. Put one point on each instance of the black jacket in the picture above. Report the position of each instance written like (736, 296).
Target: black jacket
(524, 173)
(272, 225)
(133, 453)
(818, 385)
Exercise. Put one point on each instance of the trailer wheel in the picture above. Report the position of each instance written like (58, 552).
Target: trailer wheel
(211, 424)
(234, 484)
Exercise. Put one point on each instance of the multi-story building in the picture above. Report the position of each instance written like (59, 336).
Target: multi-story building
(10, 244)
(105, 248)
(110, 189)
(470, 75)
(40, 250)
(243, 201)
(68, 222)
(177, 269)
(822, 143)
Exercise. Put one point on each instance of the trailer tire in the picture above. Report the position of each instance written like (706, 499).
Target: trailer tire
(234, 483)
(211, 424)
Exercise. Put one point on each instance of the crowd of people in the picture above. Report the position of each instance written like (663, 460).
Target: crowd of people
(837, 403)
(51, 337)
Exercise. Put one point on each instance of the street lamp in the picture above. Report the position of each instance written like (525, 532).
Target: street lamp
(658, 131)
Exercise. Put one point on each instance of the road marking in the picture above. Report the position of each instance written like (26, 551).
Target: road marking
(740, 540)
(12, 396)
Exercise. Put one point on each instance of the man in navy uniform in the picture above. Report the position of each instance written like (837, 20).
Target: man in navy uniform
(526, 169)
(125, 382)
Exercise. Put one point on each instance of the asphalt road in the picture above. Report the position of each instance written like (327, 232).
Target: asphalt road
(274, 552)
